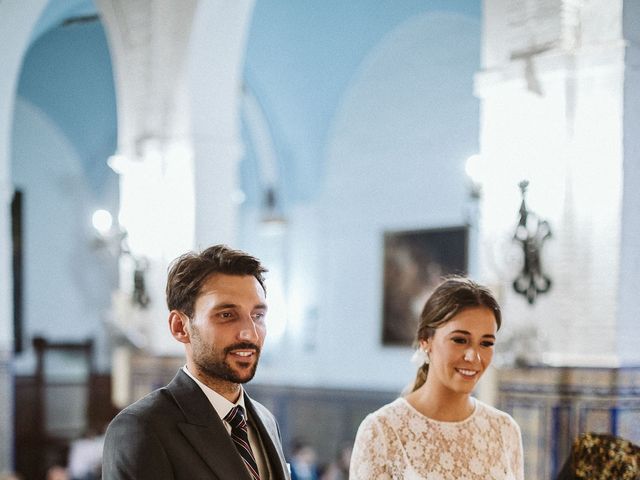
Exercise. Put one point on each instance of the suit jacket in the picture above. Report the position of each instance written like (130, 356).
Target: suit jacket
(174, 433)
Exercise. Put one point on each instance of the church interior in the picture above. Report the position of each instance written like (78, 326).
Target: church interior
(361, 150)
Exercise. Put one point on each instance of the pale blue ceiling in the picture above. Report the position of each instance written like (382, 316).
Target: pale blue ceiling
(57, 11)
(67, 75)
(301, 56)
(300, 59)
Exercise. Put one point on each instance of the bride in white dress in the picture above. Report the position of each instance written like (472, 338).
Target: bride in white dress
(439, 431)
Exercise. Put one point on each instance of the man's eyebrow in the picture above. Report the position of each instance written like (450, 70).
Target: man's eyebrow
(222, 306)
(225, 305)
(465, 332)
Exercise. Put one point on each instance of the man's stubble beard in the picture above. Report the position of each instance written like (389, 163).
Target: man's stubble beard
(213, 362)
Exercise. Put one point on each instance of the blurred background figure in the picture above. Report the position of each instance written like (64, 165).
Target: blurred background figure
(303, 461)
(85, 458)
(10, 476)
(339, 468)
(57, 472)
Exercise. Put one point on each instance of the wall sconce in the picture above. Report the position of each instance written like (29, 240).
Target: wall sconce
(107, 236)
(113, 238)
(531, 233)
(473, 168)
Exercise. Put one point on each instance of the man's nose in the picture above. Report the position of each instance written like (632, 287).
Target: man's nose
(248, 331)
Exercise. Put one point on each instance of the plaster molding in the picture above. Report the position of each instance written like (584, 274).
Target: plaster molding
(149, 43)
(589, 61)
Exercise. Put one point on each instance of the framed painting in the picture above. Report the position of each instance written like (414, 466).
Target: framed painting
(414, 264)
(17, 242)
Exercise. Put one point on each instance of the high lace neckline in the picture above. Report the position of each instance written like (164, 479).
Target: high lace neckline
(415, 411)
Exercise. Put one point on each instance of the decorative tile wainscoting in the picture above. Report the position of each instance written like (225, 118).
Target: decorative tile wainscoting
(553, 405)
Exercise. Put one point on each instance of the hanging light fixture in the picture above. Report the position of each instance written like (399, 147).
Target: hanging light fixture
(272, 218)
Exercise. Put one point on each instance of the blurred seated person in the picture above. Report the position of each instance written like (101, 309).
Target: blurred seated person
(85, 458)
(57, 472)
(10, 476)
(303, 461)
(339, 468)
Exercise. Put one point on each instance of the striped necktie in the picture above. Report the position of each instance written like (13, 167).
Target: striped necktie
(240, 438)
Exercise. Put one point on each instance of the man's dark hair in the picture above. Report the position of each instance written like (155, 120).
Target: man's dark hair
(188, 272)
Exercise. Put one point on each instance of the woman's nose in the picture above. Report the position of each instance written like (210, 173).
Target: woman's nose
(470, 355)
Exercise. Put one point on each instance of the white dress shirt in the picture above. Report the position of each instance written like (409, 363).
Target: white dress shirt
(223, 406)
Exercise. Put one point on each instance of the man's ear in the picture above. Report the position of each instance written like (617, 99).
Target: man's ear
(178, 326)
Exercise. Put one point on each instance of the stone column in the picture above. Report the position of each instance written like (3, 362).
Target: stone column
(216, 62)
(552, 93)
(555, 95)
(178, 67)
(149, 42)
(559, 97)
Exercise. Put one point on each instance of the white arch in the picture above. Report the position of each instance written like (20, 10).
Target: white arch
(262, 139)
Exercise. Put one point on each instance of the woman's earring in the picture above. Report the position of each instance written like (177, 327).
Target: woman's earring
(420, 357)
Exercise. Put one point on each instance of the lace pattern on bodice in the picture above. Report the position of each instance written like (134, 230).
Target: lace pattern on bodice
(398, 442)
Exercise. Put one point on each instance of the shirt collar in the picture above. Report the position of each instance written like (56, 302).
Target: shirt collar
(221, 405)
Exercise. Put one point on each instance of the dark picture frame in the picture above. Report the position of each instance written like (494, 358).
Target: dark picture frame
(17, 244)
(414, 263)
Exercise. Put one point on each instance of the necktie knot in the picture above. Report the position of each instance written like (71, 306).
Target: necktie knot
(236, 419)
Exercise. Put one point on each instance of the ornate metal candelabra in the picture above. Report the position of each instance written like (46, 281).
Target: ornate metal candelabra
(531, 233)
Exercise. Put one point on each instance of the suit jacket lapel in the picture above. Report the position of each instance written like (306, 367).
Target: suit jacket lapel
(204, 429)
(274, 455)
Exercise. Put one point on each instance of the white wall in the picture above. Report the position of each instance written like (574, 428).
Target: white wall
(395, 156)
(67, 284)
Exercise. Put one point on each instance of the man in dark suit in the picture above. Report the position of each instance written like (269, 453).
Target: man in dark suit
(203, 425)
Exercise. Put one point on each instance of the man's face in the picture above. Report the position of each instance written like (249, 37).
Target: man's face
(228, 328)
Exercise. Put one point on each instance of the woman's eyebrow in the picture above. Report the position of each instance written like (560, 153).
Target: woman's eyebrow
(465, 332)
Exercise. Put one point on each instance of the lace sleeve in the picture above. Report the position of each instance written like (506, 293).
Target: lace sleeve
(370, 451)
(514, 440)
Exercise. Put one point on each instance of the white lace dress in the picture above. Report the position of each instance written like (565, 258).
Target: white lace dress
(398, 442)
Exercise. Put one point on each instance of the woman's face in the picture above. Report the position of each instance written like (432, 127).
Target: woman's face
(461, 350)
